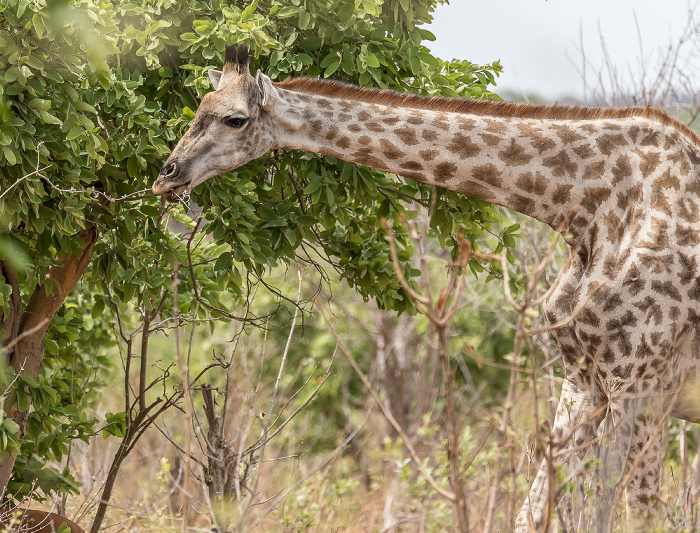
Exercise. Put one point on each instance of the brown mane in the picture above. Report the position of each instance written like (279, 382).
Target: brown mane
(335, 89)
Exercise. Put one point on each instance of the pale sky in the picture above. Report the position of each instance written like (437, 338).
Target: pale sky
(539, 41)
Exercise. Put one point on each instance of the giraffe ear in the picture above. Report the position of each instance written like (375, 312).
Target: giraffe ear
(215, 77)
(268, 92)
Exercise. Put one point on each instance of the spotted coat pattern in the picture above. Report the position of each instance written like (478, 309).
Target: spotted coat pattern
(624, 188)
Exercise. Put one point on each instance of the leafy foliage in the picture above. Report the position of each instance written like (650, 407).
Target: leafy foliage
(93, 95)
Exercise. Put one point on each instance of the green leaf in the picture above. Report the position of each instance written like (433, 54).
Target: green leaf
(313, 185)
(331, 68)
(276, 223)
(10, 426)
(372, 60)
(425, 57)
(39, 103)
(22, 401)
(9, 155)
(248, 11)
(222, 261)
(306, 220)
(48, 118)
(75, 132)
(329, 59)
(304, 20)
(130, 223)
(288, 11)
(132, 166)
(38, 24)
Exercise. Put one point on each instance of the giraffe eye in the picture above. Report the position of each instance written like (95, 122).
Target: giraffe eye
(235, 121)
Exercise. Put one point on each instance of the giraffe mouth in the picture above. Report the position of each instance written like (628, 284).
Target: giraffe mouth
(178, 194)
(172, 192)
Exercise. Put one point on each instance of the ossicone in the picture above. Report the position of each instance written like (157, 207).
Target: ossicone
(236, 57)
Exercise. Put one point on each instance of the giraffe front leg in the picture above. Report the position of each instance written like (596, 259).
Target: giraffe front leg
(632, 461)
(574, 426)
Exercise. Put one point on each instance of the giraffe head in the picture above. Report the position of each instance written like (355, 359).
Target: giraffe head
(231, 127)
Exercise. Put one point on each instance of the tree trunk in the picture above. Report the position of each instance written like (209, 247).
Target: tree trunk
(460, 509)
(23, 330)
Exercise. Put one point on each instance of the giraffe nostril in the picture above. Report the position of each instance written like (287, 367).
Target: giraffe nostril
(169, 170)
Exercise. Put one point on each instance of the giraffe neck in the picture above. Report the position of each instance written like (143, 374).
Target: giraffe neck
(559, 171)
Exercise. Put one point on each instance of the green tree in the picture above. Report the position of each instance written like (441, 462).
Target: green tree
(93, 95)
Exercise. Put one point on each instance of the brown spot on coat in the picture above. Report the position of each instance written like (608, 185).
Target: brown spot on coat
(687, 236)
(343, 142)
(614, 226)
(658, 264)
(566, 133)
(651, 138)
(440, 122)
(657, 237)
(667, 288)
(622, 169)
(560, 164)
(658, 197)
(490, 139)
(488, 174)
(562, 194)
(533, 184)
(633, 132)
(649, 162)
(463, 146)
(542, 143)
(374, 127)
(681, 159)
(444, 171)
(428, 155)
(593, 197)
(585, 151)
(407, 135)
(496, 126)
(364, 139)
(411, 165)
(689, 267)
(594, 171)
(609, 142)
(429, 135)
(365, 156)
(466, 124)
(390, 150)
(514, 154)
(672, 139)
(521, 204)
(688, 210)
(614, 126)
(630, 197)
(694, 291)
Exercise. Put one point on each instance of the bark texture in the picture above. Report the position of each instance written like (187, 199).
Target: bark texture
(23, 330)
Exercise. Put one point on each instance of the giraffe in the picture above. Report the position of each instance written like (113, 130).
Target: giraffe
(623, 186)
